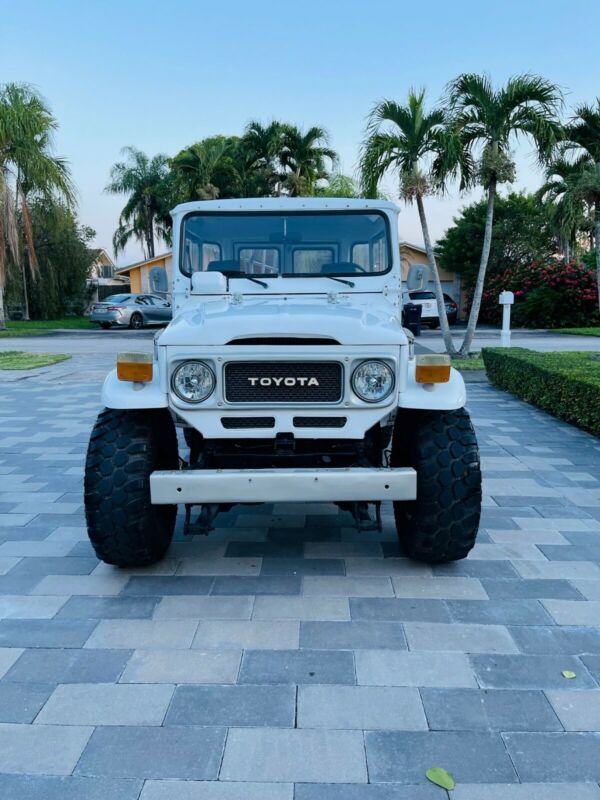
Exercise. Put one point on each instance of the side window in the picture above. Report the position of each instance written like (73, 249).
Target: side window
(379, 253)
(360, 255)
(311, 261)
(210, 252)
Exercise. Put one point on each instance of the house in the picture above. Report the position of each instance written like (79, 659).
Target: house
(138, 274)
(412, 255)
(103, 279)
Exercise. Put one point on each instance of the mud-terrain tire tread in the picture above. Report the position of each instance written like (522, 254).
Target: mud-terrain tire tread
(442, 524)
(125, 447)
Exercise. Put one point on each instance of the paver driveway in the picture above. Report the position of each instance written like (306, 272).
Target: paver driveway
(287, 655)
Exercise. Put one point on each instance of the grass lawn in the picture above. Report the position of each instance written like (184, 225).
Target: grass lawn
(468, 364)
(579, 331)
(16, 359)
(37, 326)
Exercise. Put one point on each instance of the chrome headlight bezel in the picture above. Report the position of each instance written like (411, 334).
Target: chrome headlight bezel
(177, 371)
(380, 364)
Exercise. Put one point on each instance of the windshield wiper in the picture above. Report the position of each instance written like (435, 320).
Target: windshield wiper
(235, 273)
(341, 280)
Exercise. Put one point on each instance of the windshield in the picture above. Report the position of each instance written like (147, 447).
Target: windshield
(290, 245)
(117, 298)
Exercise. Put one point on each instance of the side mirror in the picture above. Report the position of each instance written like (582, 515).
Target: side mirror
(159, 282)
(417, 278)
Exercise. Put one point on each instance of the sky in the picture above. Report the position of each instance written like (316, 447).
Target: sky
(161, 76)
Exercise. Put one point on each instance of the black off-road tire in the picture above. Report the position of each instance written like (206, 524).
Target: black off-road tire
(136, 321)
(441, 524)
(125, 447)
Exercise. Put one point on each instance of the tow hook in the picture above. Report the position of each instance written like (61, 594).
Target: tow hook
(204, 522)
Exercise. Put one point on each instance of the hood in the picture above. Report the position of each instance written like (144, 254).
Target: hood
(349, 322)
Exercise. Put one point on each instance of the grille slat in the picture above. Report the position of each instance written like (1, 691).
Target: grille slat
(319, 422)
(283, 382)
(248, 422)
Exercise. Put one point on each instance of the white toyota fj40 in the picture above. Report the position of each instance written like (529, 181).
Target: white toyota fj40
(288, 368)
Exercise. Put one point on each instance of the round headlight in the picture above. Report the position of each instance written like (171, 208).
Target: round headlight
(193, 381)
(373, 381)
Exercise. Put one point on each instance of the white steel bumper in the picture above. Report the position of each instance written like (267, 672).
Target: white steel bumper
(282, 485)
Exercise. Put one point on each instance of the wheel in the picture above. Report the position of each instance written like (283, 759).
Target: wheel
(441, 524)
(136, 321)
(125, 447)
(105, 325)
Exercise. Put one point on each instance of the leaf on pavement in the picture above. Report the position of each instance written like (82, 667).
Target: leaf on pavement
(440, 777)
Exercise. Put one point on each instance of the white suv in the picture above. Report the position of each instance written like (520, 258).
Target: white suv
(288, 368)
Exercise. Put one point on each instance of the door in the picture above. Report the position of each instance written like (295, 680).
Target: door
(161, 308)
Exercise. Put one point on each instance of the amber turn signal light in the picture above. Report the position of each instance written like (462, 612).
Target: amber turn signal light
(134, 367)
(432, 368)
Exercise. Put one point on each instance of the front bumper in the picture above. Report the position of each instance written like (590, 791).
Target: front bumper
(282, 485)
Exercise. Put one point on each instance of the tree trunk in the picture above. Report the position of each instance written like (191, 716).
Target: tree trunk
(25, 297)
(149, 230)
(485, 255)
(439, 295)
(2, 317)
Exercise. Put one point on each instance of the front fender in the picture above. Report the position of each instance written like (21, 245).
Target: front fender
(433, 396)
(127, 394)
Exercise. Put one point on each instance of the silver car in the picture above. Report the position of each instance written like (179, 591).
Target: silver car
(132, 311)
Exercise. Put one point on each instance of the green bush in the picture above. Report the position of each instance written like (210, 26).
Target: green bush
(564, 384)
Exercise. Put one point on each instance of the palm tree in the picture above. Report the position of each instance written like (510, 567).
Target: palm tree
(194, 169)
(414, 144)
(488, 120)
(145, 181)
(340, 185)
(562, 189)
(305, 157)
(27, 166)
(262, 145)
(583, 138)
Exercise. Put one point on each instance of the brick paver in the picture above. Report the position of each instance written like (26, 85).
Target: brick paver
(288, 656)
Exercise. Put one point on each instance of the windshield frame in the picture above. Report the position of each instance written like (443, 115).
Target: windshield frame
(296, 213)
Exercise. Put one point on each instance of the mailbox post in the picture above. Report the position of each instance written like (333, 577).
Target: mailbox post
(506, 300)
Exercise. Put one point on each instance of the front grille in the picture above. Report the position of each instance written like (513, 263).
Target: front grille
(283, 382)
(319, 422)
(248, 422)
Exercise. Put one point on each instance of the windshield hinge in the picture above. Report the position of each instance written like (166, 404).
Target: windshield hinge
(237, 299)
(333, 297)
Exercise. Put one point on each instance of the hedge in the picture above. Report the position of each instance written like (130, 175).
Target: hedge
(566, 385)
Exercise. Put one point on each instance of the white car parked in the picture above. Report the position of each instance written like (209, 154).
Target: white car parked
(288, 368)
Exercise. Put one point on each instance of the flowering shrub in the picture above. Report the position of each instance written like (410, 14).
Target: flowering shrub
(550, 295)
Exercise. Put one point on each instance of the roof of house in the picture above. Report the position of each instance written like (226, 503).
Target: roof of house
(98, 252)
(144, 262)
(413, 246)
